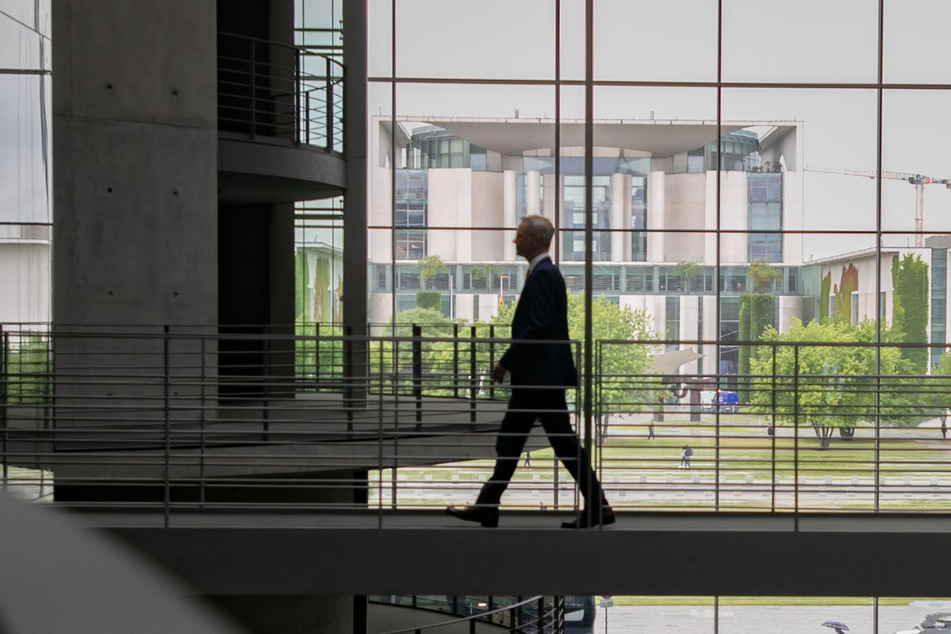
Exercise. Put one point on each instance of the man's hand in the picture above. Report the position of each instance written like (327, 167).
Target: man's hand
(498, 373)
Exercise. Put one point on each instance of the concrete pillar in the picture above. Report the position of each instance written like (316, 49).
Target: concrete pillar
(656, 249)
(135, 174)
(509, 212)
(533, 202)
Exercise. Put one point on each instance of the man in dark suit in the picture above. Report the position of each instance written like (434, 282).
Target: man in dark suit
(540, 374)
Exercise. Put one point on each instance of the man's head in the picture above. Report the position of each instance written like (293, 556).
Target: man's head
(533, 236)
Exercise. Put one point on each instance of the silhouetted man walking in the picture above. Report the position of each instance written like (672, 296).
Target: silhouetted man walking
(540, 375)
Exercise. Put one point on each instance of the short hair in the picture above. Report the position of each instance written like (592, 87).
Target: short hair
(539, 227)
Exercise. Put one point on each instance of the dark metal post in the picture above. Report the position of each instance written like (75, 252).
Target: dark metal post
(796, 437)
(492, 357)
(473, 382)
(330, 107)
(167, 497)
(253, 70)
(266, 410)
(418, 373)
(455, 360)
(201, 440)
(298, 91)
(4, 397)
(773, 423)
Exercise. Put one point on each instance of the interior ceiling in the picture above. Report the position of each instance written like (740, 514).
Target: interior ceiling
(515, 136)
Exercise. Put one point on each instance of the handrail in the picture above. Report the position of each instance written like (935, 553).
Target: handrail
(277, 90)
(471, 618)
(198, 411)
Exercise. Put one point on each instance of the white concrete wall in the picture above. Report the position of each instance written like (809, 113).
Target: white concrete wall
(450, 205)
(487, 193)
(685, 201)
(620, 217)
(789, 307)
(734, 213)
(380, 241)
(656, 216)
(488, 306)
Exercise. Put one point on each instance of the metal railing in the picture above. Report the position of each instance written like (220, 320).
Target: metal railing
(280, 91)
(178, 419)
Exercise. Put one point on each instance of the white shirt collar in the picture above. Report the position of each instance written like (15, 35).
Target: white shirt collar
(535, 260)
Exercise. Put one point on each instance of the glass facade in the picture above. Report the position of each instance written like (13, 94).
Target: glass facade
(25, 147)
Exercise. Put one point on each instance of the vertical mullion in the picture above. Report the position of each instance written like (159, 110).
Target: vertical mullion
(557, 151)
(393, 167)
(588, 226)
(878, 246)
(719, 348)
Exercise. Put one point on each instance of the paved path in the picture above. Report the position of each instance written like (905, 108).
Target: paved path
(761, 619)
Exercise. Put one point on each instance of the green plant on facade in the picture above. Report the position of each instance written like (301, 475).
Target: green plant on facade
(842, 293)
(755, 316)
(824, 293)
(910, 309)
(429, 267)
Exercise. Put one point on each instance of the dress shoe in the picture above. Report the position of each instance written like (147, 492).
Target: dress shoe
(488, 517)
(589, 520)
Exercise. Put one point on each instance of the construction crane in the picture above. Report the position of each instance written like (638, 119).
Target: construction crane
(917, 180)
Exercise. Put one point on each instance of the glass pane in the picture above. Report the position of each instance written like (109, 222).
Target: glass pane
(24, 149)
(22, 48)
(915, 38)
(759, 37)
(682, 33)
(915, 162)
(572, 39)
(813, 152)
(448, 38)
(379, 38)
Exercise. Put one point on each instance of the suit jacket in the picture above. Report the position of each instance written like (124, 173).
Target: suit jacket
(541, 313)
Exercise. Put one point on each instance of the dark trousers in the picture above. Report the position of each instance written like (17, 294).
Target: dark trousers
(548, 406)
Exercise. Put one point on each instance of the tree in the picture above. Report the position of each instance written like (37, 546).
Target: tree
(763, 275)
(826, 386)
(688, 272)
(429, 267)
(485, 272)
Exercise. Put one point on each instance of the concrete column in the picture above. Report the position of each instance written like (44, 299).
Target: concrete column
(533, 203)
(508, 212)
(135, 162)
(656, 249)
(620, 217)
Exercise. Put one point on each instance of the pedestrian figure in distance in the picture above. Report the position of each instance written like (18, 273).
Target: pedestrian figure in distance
(528, 459)
(685, 454)
(540, 375)
(944, 427)
(650, 430)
